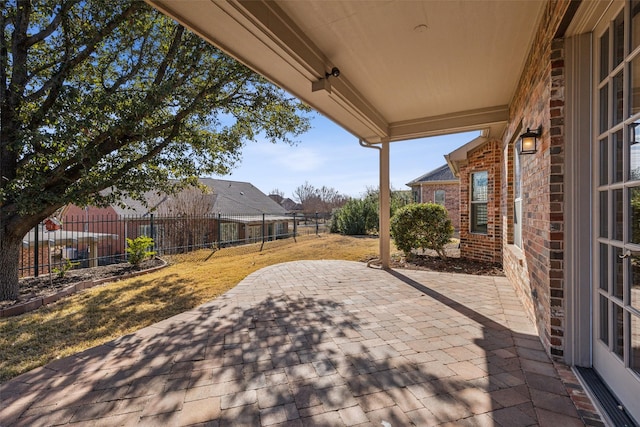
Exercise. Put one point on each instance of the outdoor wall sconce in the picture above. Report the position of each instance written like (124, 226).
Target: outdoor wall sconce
(323, 84)
(335, 72)
(529, 141)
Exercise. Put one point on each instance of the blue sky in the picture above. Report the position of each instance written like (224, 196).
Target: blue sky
(330, 156)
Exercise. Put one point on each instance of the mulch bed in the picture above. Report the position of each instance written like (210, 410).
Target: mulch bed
(449, 265)
(32, 288)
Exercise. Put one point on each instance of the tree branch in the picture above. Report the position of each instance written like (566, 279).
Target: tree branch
(19, 55)
(53, 25)
(54, 84)
(171, 54)
(126, 76)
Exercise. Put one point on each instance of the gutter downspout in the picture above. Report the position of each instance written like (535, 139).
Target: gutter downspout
(384, 202)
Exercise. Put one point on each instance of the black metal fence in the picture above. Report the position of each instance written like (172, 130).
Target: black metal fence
(89, 240)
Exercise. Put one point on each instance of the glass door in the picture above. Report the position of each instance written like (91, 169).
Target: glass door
(616, 341)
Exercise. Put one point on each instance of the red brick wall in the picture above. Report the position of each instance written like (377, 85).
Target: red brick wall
(476, 246)
(451, 198)
(98, 220)
(537, 270)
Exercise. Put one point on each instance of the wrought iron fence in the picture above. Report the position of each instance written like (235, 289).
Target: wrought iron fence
(91, 240)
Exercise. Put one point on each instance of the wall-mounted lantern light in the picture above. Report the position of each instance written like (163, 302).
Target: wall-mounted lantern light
(529, 141)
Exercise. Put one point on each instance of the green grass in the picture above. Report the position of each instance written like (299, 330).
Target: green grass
(106, 312)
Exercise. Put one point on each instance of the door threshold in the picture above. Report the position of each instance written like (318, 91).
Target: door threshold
(612, 410)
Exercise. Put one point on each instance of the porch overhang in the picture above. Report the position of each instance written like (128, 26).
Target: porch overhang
(408, 69)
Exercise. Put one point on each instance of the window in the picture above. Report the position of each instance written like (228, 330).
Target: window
(416, 196)
(228, 232)
(438, 197)
(479, 195)
(254, 233)
(281, 229)
(517, 197)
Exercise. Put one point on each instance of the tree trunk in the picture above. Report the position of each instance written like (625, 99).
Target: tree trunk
(10, 248)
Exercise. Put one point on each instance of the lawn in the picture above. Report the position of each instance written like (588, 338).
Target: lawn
(103, 313)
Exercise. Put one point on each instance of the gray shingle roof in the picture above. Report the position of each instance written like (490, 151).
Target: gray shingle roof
(443, 173)
(236, 197)
(230, 197)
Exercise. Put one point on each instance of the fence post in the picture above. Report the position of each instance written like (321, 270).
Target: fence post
(219, 230)
(295, 226)
(152, 232)
(317, 226)
(36, 256)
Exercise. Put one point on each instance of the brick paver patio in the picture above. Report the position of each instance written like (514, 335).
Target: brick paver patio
(322, 343)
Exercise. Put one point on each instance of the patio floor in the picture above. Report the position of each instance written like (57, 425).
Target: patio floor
(323, 343)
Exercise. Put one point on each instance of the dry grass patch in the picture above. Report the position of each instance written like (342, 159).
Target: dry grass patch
(106, 312)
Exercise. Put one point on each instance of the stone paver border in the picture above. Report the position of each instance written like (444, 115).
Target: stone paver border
(36, 303)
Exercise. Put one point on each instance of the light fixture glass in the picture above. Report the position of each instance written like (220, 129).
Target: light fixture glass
(529, 141)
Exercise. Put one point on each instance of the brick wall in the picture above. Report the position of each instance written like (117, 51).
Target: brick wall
(451, 198)
(477, 246)
(537, 270)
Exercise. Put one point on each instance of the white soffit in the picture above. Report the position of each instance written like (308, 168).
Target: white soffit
(408, 69)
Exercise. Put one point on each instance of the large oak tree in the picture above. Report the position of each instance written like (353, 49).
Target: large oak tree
(98, 94)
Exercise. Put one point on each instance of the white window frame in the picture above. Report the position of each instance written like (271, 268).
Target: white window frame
(517, 196)
(474, 225)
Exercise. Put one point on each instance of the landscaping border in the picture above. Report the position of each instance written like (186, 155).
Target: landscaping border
(38, 302)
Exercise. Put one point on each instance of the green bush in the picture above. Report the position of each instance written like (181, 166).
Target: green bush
(356, 217)
(62, 270)
(138, 249)
(421, 226)
(398, 199)
(333, 223)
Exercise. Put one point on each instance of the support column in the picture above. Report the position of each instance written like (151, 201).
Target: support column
(385, 206)
(93, 252)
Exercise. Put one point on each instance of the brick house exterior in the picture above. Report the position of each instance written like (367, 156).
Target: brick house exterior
(539, 279)
(425, 189)
(534, 266)
(557, 238)
(479, 156)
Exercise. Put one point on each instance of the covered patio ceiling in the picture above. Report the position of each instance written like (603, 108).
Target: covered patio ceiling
(408, 69)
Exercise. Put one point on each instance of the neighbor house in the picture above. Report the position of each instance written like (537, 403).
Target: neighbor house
(439, 186)
(478, 165)
(289, 205)
(226, 212)
(562, 215)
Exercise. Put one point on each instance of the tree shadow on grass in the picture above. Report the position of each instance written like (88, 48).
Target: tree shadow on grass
(303, 357)
(90, 316)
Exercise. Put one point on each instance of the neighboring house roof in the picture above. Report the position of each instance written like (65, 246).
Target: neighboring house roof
(439, 175)
(236, 197)
(230, 197)
(129, 206)
(460, 154)
(286, 203)
(290, 205)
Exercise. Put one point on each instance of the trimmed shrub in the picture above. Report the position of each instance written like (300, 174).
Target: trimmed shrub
(421, 226)
(138, 249)
(356, 217)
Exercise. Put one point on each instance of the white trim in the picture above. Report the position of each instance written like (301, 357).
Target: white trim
(385, 200)
(577, 220)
